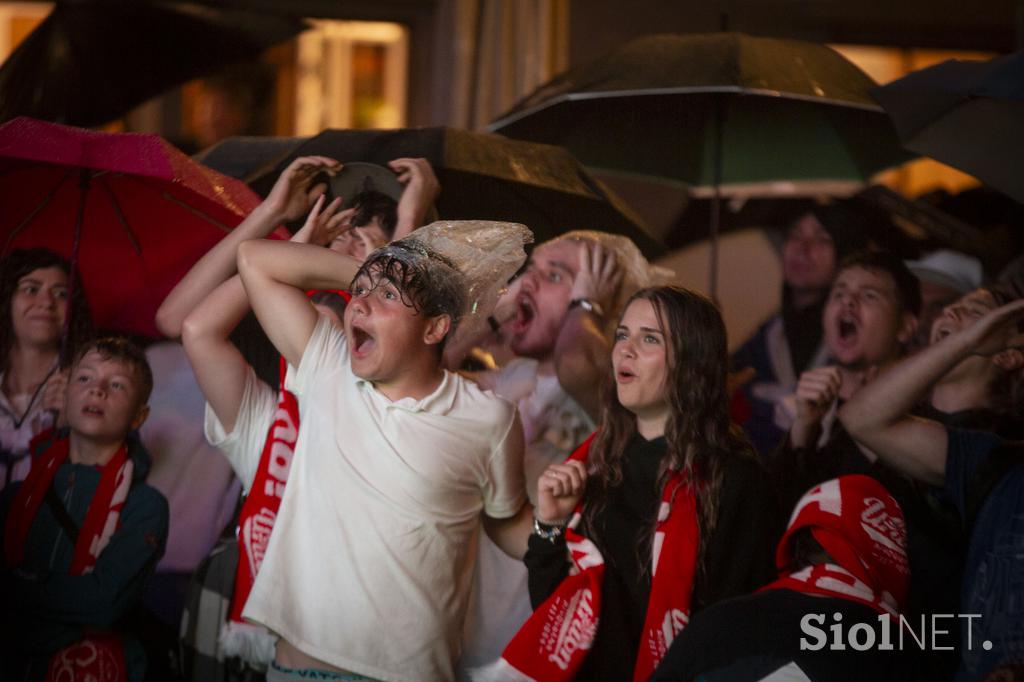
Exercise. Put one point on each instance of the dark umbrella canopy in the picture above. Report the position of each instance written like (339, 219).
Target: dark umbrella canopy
(967, 114)
(91, 61)
(787, 110)
(488, 177)
(244, 155)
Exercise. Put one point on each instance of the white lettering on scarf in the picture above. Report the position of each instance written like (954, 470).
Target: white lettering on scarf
(578, 632)
(827, 496)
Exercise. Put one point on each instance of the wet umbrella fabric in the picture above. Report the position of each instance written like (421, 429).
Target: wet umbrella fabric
(91, 61)
(140, 212)
(663, 105)
(967, 114)
(714, 109)
(488, 177)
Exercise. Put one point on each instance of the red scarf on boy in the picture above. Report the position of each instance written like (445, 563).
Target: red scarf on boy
(554, 641)
(861, 526)
(101, 520)
(98, 656)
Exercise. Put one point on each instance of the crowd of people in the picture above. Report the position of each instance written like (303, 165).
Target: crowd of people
(458, 461)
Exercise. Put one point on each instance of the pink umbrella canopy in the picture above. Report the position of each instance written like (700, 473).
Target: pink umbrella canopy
(141, 212)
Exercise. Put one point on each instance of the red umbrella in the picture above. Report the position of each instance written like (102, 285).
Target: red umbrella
(131, 211)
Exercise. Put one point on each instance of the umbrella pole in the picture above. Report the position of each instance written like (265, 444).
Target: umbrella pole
(716, 203)
(84, 178)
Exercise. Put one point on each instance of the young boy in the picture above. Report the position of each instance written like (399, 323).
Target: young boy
(83, 532)
(870, 314)
(367, 572)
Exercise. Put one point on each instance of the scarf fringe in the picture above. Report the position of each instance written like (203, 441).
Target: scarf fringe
(498, 671)
(252, 643)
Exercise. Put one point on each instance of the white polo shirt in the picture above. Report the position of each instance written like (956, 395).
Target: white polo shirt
(368, 567)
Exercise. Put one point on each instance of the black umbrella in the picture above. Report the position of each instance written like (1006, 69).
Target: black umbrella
(967, 114)
(487, 177)
(714, 109)
(91, 61)
(243, 155)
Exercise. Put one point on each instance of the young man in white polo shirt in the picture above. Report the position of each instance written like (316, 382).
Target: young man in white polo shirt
(368, 569)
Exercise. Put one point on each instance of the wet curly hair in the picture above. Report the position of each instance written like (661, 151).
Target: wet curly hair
(427, 281)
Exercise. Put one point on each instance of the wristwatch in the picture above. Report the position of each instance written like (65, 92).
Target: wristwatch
(546, 531)
(587, 305)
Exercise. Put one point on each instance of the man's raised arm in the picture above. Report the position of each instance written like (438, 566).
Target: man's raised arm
(276, 276)
(291, 198)
(877, 415)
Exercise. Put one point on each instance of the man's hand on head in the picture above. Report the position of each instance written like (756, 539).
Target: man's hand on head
(324, 223)
(421, 190)
(993, 333)
(294, 193)
(598, 277)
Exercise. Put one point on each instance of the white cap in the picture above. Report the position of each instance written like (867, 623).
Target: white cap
(952, 269)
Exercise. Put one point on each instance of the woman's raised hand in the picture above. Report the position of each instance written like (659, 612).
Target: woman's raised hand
(559, 491)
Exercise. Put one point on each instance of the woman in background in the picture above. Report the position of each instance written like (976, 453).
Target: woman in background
(34, 297)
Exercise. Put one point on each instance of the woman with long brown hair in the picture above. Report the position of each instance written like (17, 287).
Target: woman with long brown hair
(663, 512)
(34, 302)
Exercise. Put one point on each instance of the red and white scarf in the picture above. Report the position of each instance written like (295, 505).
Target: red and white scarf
(256, 522)
(99, 655)
(101, 520)
(555, 640)
(259, 512)
(861, 526)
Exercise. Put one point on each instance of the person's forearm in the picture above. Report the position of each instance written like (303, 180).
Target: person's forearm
(219, 313)
(581, 356)
(511, 534)
(894, 392)
(302, 266)
(803, 435)
(211, 270)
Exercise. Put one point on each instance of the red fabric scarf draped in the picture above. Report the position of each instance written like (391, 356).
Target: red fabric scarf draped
(101, 520)
(98, 656)
(256, 520)
(861, 526)
(553, 643)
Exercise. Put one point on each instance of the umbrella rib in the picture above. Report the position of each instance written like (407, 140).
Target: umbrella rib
(31, 216)
(196, 212)
(682, 90)
(178, 202)
(121, 217)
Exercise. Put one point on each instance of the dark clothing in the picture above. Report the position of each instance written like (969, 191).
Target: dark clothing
(987, 473)
(935, 535)
(779, 351)
(748, 638)
(803, 330)
(737, 557)
(46, 608)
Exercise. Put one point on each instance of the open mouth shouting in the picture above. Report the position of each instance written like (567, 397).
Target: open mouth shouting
(940, 331)
(848, 330)
(363, 342)
(526, 311)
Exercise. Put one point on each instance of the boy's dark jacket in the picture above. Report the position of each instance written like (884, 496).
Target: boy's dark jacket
(45, 608)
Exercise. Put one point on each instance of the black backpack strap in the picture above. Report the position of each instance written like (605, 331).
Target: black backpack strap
(62, 515)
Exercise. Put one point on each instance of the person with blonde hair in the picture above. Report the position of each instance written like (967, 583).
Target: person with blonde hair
(558, 316)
